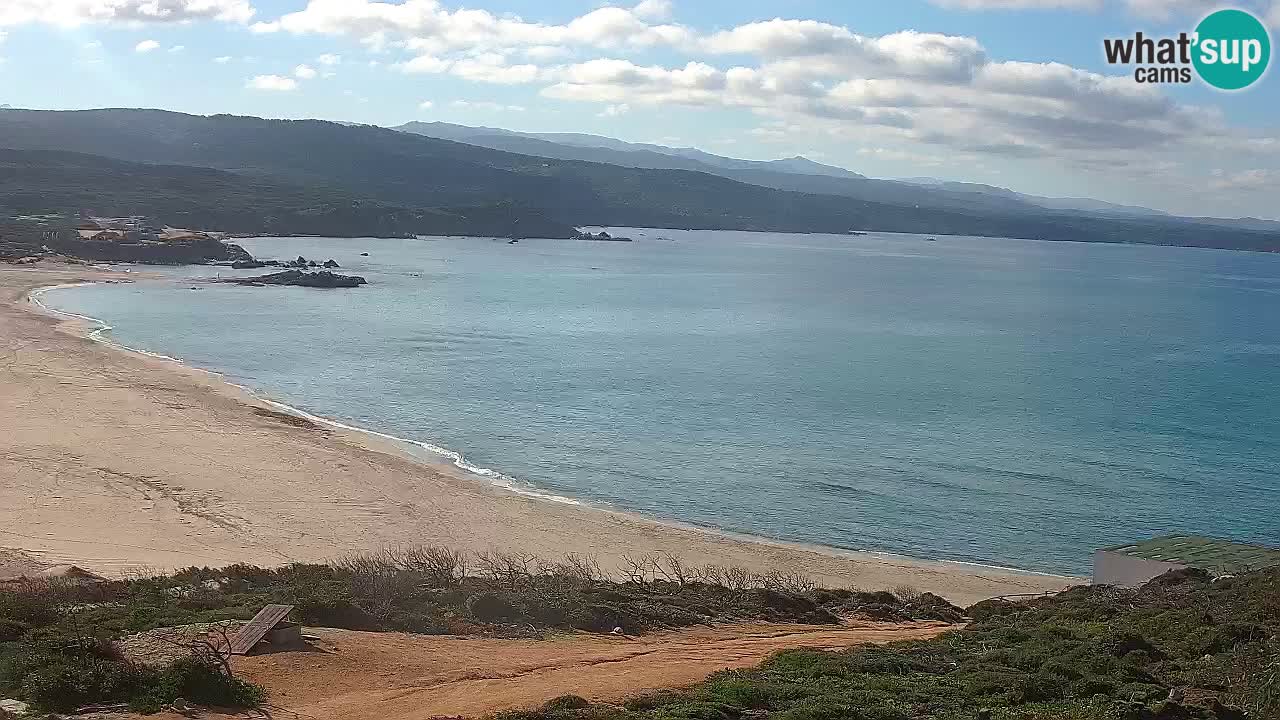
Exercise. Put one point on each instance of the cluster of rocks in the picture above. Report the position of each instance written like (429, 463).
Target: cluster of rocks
(301, 263)
(601, 236)
(322, 279)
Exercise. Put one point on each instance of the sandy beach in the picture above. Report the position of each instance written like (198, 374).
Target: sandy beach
(117, 461)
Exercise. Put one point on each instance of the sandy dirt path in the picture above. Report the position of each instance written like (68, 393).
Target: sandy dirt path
(392, 676)
(113, 460)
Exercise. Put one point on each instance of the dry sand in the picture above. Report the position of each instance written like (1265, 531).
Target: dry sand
(116, 461)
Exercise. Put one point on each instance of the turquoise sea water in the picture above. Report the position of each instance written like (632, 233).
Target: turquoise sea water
(994, 401)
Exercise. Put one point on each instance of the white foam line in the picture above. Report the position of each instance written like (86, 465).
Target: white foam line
(102, 326)
(455, 458)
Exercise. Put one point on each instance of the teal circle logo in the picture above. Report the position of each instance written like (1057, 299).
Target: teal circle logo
(1232, 49)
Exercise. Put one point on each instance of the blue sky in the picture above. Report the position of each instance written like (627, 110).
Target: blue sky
(1009, 92)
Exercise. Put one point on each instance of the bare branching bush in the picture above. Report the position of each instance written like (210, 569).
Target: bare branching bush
(512, 569)
(214, 649)
(673, 569)
(573, 570)
(441, 567)
(210, 647)
(906, 593)
(582, 567)
(794, 583)
(639, 569)
(737, 578)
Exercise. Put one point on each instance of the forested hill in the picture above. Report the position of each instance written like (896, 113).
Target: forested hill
(33, 182)
(283, 174)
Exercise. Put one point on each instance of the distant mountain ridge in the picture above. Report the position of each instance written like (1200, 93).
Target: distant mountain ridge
(1051, 203)
(597, 148)
(307, 176)
(797, 173)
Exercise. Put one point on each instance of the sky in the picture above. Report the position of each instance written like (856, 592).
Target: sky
(1014, 93)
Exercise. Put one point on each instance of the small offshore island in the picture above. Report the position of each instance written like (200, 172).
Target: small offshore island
(298, 278)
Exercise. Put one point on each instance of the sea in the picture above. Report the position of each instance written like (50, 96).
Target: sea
(992, 401)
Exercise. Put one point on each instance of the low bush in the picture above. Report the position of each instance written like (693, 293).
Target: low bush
(1091, 653)
(45, 659)
(63, 672)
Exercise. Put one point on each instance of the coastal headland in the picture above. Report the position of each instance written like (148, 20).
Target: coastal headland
(117, 461)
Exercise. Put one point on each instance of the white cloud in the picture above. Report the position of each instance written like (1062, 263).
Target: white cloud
(898, 155)
(430, 28)
(426, 105)
(544, 53)
(328, 59)
(492, 68)
(818, 49)
(1246, 180)
(653, 9)
(486, 105)
(73, 13)
(482, 67)
(304, 72)
(146, 46)
(177, 48)
(274, 83)
(1162, 10)
(614, 110)
(1019, 4)
(223, 59)
(1166, 9)
(422, 64)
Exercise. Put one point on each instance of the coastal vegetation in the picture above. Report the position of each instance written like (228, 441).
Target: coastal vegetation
(58, 638)
(244, 174)
(1183, 646)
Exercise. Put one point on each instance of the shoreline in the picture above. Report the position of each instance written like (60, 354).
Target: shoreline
(487, 475)
(958, 579)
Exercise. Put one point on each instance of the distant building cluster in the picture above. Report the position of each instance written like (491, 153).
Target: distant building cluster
(134, 229)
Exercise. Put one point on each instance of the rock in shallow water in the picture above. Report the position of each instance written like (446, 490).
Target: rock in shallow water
(322, 279)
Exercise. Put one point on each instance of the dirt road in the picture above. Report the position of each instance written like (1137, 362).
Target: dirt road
(393, 676)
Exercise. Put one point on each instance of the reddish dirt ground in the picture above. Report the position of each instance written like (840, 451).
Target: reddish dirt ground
(393, 676)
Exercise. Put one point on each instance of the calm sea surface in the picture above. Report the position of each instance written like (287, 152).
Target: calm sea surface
(995, 401)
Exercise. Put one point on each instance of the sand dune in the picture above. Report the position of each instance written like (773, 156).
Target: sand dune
(115, 461)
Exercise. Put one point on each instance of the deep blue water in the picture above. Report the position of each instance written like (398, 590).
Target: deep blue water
(996, 401)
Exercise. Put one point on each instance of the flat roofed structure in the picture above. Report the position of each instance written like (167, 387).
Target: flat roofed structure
(1136, 563)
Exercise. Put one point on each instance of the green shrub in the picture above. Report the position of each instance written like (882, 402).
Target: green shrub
(197, 682)
(492, 607)
(566, 702)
